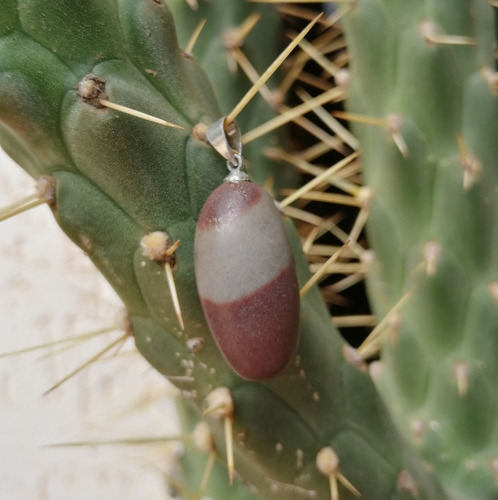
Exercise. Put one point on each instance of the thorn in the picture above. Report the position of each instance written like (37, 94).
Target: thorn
(52, 343)
(493, 291)
(389, 324)
(461, 371)
(328, 463)
(302, 215)
(318, 149)
(392, 124)
(322, 271)
(406, 482)
(324, 226)
(331, 294)
(318, 82)
(292, 75)
(345, 135)
(88, 362)
(219, 404)
(181, 379)
(253, 76)
(207, 473)
(335, 94)
(365, 197)
(172, 249)
(355, 117)
(300, 59)
(324, 138)
(493, 465)
(157, 246)
(234, 38)
(336, 16)
(350, 268)
(332, 142)
(269, 72)
(229, 443)
(137, 114)
(302, 13)
(193, 4)
(320, 58)
(352, 356)
(44, 193)
(354, 321)
(174, 294)
(323, 177)
(337, 199)
(317, 232)
(195, 35)
(122, 322)
(490, 77)
(428, 30)
(121, 442)
(327, 225)
(470, 165)
(203, 441)
(432, 255)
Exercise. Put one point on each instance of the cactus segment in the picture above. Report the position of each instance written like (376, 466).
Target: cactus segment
(150, 39)
(29, 106)
(51, 25)
(106, 234)
(433, 225)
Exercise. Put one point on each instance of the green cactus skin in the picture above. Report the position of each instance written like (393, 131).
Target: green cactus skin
(449, 325)
(119, 178)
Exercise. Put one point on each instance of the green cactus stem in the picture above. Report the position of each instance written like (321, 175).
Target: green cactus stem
(433, 224)
(119, 178)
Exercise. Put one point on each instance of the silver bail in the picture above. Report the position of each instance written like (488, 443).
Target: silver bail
(227, 141)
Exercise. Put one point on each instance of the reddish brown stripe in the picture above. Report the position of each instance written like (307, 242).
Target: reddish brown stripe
(258, 333)
(227, 202)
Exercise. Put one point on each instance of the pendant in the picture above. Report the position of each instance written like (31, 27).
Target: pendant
(245, 270)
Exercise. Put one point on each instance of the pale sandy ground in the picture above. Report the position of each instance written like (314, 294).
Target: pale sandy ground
(50, 290)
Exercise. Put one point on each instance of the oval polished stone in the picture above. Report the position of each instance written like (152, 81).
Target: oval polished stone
(247, 280)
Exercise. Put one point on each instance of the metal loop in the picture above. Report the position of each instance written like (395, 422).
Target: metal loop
(235, 165)
(236, 174)
(225, 139)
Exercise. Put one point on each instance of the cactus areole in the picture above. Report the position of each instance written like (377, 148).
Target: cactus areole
(245, 271)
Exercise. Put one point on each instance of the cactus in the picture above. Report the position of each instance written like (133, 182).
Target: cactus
(435, 203)
(118, 179)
